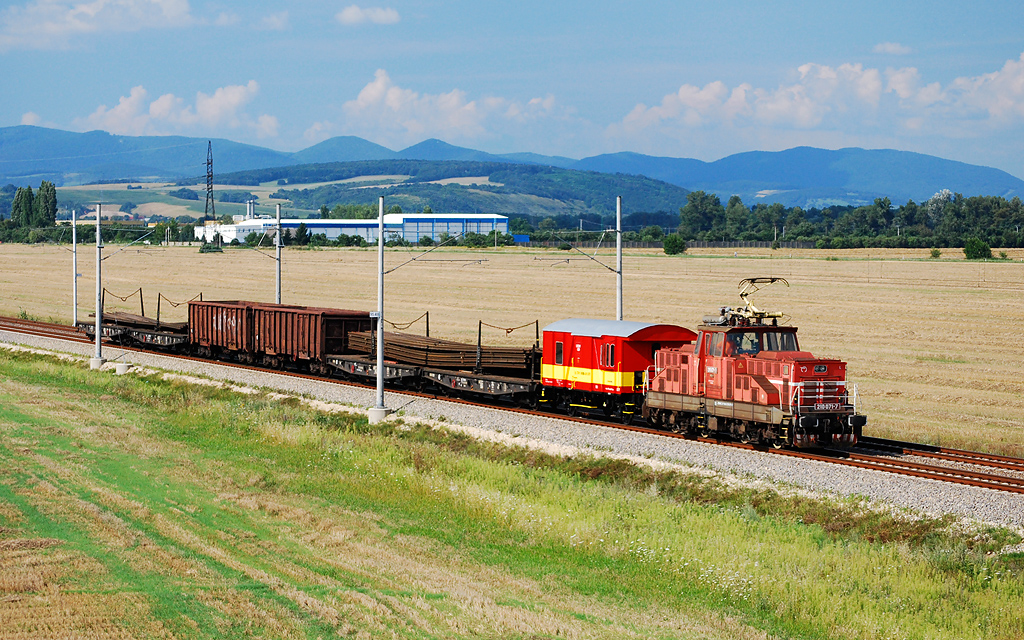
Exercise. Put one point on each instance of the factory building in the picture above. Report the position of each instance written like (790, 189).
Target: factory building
(409, 226)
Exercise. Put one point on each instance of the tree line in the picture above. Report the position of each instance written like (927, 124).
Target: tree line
(945, 220)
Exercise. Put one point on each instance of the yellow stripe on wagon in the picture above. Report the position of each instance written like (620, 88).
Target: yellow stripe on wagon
(583, 375)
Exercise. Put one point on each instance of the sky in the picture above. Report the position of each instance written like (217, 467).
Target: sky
(682, 79)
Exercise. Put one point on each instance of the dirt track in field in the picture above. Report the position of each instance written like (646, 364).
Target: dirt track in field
(935, 347)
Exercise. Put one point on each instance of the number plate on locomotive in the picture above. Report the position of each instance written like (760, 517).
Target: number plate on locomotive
(828, 406)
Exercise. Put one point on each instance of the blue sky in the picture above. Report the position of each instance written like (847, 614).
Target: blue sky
(684, 79)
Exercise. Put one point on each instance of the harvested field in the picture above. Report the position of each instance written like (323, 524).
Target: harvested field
(933, 345)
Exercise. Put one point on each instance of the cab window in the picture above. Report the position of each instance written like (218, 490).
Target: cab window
(558, 353)
(779, 341)
(717, 341)
(746, 343)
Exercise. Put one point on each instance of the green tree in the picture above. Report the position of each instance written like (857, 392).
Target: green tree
(324, 212)
(977, 249)
(653, 233)
(394, 209)
(703, 213)
(302, 234)
(21, 208)
(427, 209)
(127, 207)
(674, 244)
(44, 206)
(737, 218)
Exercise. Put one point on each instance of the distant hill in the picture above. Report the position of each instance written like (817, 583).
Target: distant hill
(804, 176)
(341, 149)
(29, 154)
(809, 177)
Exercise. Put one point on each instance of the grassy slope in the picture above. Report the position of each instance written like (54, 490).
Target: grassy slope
(138, 506)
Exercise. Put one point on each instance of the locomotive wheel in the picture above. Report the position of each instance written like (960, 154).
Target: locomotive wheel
(776, 443)
(571, 411)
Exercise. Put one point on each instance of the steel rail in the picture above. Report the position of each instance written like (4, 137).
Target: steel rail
(942, 453)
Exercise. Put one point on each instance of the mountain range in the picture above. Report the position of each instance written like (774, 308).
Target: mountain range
(803, 176)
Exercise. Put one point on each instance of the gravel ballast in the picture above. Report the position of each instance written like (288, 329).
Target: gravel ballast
(561, 436)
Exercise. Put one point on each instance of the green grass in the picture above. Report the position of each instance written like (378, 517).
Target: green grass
(584, 546)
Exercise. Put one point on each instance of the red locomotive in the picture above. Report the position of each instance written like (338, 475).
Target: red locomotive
(746, 377)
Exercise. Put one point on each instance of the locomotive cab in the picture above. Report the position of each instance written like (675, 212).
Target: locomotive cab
(747, 377)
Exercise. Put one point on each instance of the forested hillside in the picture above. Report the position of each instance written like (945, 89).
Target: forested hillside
(500, 188)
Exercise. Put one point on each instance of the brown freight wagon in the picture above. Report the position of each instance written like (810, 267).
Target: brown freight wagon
(286, 335)
(221, 329)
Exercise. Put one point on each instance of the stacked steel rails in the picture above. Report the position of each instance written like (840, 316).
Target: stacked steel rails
(890, 459)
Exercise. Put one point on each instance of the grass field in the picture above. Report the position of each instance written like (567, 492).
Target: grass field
(151, 507)
(934, 346)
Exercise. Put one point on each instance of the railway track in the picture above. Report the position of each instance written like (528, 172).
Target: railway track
(42, 329)
(888, 462)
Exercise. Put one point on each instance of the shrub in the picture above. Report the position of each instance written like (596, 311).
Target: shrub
(1002, 255)
(977, 249)
(426, 241)
(674, 244)
(935, 253)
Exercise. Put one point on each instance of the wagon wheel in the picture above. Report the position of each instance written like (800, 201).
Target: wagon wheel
(571, 411)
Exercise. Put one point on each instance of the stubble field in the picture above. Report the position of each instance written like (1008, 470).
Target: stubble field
(934, 347)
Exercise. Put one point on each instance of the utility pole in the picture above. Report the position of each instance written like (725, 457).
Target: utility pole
(74, 268)
(618, 257)
(278, 237)
(379, 411)
(97, 361)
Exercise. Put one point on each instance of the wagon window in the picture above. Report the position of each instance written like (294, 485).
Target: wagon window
(558, 353)
(608, 355)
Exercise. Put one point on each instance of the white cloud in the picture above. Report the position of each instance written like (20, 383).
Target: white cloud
(226, 19)
(136, 114)
(318, 132)
(43, 24)
(354, 14)
(892, 48)
(848, 102)
(275, 22)
(396, 116)
(31, 118)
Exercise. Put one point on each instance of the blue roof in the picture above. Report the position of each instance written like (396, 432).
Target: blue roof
(598, 328)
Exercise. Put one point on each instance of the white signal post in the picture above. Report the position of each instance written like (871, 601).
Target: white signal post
(74, 268)
(379, 411)
(97, 361)
(278, 243)
(618, 258)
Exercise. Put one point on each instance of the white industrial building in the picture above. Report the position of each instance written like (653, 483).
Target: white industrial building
(409, 226)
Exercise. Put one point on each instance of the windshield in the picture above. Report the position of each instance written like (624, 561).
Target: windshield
(753, 342)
